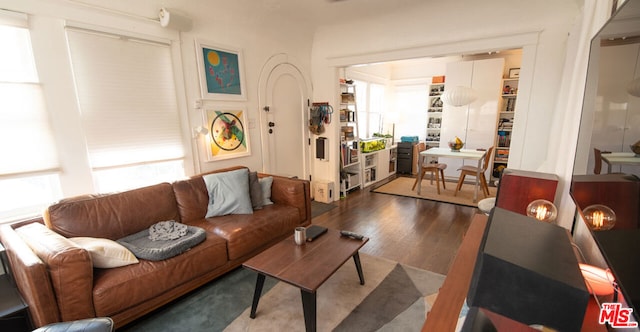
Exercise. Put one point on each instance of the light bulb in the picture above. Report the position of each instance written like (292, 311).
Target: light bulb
(599, 217)
(542, 210)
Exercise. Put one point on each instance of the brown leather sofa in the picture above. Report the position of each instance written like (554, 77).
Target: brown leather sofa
(59, 282)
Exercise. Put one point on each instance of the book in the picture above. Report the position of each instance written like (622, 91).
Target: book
(314, 231)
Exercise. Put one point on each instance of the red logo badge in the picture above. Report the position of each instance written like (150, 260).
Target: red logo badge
(616, 316)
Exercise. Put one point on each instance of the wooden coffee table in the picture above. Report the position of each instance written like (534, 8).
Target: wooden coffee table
(306, 267)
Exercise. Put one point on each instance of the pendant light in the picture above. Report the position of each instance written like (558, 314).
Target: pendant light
(459, 96)
(634, 87)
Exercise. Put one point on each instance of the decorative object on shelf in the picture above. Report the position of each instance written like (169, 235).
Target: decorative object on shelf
(459, 96)
(514, 72)
(599, 217)
(220, 70)
(599, 281)
(542, 210)
(227, 134)
(456, 144)
(634, 87)
(388, 138)
(373, 144)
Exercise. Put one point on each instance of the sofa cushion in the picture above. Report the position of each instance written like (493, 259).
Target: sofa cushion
(113, 216)
(228, 193)
(116, 290)
(247, 233)
(255, 191)
(192, 196)
(143, 247)
(266, 183)
(105, 253)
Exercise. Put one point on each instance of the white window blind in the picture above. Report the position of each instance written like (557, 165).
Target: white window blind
(126, 93)
(28, 158)
(26, 140)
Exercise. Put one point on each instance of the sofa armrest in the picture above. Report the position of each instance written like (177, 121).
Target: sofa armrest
(31, 278)
(69, 267)
(294, 192)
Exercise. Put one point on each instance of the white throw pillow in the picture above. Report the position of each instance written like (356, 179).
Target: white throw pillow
(105, 253)
(228, 193)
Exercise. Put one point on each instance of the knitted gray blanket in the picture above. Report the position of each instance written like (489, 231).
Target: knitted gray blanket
(167, 230)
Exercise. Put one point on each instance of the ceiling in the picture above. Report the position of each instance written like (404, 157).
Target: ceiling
(309, 14)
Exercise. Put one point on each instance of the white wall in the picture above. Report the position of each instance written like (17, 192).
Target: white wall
(541, 28)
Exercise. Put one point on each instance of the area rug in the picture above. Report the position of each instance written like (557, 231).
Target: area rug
(401, 186)
(318, 208)
(395, 297)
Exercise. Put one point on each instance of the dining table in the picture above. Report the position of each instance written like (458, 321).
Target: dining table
(469, 154)
(620, 158)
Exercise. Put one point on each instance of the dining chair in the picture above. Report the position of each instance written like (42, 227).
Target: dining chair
(597, 167)
(436, 170)
(473, 171)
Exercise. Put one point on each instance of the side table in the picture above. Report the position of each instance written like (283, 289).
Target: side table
(14, 313)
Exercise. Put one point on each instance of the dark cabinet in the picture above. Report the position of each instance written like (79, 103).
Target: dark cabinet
(405, 157)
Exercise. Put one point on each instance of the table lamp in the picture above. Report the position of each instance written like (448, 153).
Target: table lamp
(599, 217)
(542, 210)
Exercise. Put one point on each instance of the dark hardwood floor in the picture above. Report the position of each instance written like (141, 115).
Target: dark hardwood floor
(416, 232)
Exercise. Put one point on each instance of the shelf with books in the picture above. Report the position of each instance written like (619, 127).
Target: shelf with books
(505, 125)
(434, 111)
(350, 156)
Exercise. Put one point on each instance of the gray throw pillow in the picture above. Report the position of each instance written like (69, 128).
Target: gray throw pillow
(266, 183)
(228, 193)
(255, 190)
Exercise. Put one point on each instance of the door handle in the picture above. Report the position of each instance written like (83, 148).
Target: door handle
(271, 124)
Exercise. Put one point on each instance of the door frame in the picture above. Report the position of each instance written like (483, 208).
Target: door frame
(268, 68)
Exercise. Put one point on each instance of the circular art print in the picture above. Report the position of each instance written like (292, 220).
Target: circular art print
(228, 136)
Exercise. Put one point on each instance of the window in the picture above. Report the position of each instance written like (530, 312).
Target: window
(129, 115)
(370, 98)
(29, 167)
(411, 106)
(130, 126)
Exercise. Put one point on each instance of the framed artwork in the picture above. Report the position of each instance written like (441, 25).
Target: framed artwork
(220, 70)
(228, 133)
(514, 73)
